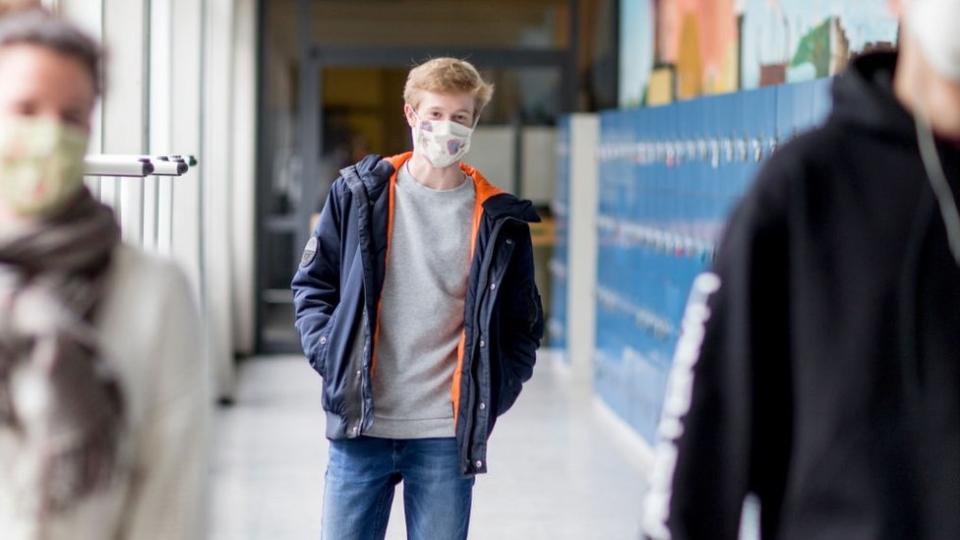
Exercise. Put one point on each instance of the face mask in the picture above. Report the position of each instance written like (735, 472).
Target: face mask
(933, 24)
(41, 164)
(443, 142)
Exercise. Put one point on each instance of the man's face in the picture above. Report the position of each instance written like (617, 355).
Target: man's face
(459, 108)
(39, 82)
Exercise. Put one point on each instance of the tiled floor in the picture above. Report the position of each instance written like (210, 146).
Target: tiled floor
(558, 470)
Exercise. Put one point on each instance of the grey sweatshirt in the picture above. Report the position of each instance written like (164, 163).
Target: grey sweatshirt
(421, 315)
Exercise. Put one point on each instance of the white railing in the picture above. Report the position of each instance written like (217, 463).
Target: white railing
(144, 207)
(133, 166)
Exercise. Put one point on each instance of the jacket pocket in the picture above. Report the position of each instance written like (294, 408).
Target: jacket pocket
(324, 343)
(509, 389)
(526, 321)
(535, 313)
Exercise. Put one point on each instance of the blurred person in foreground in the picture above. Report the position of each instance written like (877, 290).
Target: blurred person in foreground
(819, 366)
(103, 394)
(416, 303)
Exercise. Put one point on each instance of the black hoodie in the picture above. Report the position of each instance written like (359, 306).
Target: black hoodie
(824, 377)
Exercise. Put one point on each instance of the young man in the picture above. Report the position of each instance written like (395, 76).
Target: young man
(416, 303)
(819, 365)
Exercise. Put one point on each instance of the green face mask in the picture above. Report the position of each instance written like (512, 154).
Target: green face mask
(41, 164)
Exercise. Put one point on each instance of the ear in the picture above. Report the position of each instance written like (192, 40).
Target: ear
(410, 114)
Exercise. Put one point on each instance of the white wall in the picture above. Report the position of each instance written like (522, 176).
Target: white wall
(539, 164)
(243, 177)
(217, 195)
(492, 151)
(582, 284)
(158, 226)
(125, 113)
(185, 113)
(181, 79)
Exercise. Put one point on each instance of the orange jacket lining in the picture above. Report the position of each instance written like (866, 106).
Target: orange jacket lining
(484, 191)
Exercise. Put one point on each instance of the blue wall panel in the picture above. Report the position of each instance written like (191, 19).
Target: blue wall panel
(669, 178)
(559, 263)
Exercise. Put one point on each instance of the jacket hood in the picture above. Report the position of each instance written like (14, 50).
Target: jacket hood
(373, 172)
(371, 163)
(507, 205)
(376, 172)
(863, 98)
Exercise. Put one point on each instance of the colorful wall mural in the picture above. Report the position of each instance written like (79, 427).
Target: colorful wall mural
(717, 46)
(636, 50)
(699, 37)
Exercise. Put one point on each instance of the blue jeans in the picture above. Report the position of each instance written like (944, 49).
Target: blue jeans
(363, 473)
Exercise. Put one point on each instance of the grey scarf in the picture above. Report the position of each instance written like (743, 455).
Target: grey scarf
(58, 400)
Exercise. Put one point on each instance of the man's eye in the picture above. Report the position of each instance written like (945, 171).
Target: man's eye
(75, 120)
(25, 109)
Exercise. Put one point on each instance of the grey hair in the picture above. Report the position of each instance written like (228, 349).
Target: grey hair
(41, 28)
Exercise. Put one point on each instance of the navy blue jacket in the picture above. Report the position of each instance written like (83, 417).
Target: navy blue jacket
(337, 296)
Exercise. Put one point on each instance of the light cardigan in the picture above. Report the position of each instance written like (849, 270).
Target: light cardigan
(150, 333)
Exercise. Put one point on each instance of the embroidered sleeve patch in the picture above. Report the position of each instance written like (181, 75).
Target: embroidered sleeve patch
(309, 252)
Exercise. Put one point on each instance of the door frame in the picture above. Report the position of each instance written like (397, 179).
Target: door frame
(315, 58)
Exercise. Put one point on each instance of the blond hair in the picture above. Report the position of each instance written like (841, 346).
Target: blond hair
(447, 76)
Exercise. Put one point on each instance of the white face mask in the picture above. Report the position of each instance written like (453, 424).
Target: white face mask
(934, 24)
(442, 142)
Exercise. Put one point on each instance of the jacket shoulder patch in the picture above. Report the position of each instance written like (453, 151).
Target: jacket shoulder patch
(309, 252)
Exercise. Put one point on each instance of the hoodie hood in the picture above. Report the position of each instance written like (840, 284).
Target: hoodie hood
(863, 98)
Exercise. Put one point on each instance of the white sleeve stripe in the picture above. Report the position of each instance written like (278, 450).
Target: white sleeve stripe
(676, 404)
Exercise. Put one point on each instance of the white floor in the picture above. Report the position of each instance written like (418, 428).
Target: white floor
(558, 468)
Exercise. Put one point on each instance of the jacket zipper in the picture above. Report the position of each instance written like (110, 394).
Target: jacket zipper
(482, 284)
(364, 361)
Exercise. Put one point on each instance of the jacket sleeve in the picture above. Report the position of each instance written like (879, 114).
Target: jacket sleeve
(316, 285)
(522, 329)
(168, 497)
(726, 422)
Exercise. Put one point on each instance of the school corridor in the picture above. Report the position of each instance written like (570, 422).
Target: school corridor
(631, 129)
(560, 466)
